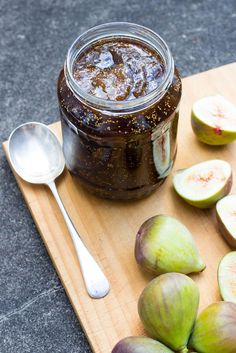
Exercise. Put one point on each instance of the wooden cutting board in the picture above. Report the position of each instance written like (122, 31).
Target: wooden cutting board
(109, 228)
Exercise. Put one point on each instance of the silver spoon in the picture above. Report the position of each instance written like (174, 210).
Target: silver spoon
(36, 156)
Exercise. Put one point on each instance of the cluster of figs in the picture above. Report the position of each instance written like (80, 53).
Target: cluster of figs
(168, 305)
(168, 309)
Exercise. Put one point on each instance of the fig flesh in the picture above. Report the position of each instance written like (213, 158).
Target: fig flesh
(168, 307)
(213, 120)
(140, 345)
(227, 277)
(226, 217)
(203, 184)
(163, 244)
(215, 329)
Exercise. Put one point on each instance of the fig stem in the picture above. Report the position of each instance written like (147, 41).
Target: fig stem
(185, 350)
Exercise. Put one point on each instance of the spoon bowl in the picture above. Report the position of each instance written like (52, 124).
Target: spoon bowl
(36, 153)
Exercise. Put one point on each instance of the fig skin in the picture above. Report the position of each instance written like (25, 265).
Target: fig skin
(140, 345)
(168, 308)
(209, 134)
(215, 329)
(163, 244)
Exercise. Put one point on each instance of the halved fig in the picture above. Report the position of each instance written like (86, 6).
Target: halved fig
(227, 278)
(213, 120)
(226, 217)
(203, 184)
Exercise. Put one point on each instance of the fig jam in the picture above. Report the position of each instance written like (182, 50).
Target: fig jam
(119, 70)
(119, 95)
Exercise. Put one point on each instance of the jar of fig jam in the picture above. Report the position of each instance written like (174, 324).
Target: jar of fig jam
(119, 95)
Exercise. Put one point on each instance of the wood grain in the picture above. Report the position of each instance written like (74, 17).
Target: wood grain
(109, 228)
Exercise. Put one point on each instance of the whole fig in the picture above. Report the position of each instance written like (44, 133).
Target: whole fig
(215, 329)
(168, 309)
(163, 244)
(140, 345)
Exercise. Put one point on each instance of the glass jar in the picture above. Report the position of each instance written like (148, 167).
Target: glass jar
(119, 149)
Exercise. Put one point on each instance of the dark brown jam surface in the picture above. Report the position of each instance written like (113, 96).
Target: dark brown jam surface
(119, 70)
(124, 156)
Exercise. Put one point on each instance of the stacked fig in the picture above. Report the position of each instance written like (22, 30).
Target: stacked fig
(168, 305)
(168, 309)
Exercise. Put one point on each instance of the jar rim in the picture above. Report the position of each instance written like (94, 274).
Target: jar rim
(119, 30)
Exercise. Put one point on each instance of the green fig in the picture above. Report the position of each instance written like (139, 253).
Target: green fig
(215, 329)
(203, 184)
(213, 120)
(140, 345)
(168, 308)
(163, 244)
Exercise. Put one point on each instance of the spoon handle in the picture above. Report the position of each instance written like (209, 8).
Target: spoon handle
(96, 283)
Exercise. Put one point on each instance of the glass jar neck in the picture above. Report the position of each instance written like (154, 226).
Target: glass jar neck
(119, 30)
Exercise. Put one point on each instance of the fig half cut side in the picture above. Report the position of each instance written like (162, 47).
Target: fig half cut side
(226, 217)
(227, 277)
(213, 120)
(203, 184)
